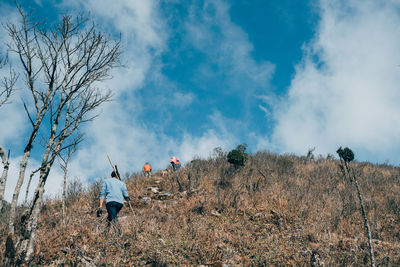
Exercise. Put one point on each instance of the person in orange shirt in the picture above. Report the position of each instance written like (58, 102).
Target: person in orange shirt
(147, 170)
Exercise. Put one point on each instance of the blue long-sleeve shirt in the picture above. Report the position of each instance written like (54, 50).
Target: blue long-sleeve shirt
(114, 190)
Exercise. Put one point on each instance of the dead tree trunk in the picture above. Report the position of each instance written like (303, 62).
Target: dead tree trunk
(179, 183)
(64, 194)
(27, 242)
(21, 177)
(22, 168)
(3, 179)
(364, 215)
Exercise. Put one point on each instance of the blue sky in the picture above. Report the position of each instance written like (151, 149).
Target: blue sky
(278, 75)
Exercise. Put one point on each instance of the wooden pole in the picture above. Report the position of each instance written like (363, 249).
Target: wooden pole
(115, 170)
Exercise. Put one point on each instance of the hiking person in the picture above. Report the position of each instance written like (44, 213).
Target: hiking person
(175, 163)
(115, 192)
(147, 170)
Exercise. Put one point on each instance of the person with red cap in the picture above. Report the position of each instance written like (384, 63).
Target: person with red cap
(175, 163)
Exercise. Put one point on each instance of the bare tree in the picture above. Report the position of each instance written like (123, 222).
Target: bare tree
(3, 178)
(63, 67)
(63, 161)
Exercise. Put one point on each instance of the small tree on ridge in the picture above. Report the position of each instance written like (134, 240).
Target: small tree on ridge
(238, 157)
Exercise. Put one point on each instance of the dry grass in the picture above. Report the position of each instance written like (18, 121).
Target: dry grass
(300, 213)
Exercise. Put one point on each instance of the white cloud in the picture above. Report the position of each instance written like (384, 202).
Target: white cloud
(182, 100)
(38, 2)
(346, 90)
(202, 146)
(12, 122)
(261, 142)
(143, 36)
(211, 31)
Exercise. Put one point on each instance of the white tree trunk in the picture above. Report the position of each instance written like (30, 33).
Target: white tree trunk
(32, 226)
(22, 169)
(27, 242)
(3, 179)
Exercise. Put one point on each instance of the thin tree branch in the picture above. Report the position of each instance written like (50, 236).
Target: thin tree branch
(29, 115)
(29, 184)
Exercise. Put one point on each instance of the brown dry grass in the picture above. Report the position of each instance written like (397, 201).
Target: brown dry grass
(302, 211)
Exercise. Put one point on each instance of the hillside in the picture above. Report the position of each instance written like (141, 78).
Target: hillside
(277, 210)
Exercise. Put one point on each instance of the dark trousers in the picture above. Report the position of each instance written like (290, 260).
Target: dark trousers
(112, 209)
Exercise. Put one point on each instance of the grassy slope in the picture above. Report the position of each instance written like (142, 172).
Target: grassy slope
(302, 212)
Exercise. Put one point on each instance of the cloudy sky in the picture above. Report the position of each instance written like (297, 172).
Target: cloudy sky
(278, 75)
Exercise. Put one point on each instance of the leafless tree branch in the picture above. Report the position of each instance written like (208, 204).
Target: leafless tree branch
(29, 115)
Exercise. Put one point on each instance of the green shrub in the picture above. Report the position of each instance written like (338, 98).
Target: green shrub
(346, 154)
(238, 156)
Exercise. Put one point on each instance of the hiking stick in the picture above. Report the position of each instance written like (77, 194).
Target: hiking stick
(117, 174)
(130, 206)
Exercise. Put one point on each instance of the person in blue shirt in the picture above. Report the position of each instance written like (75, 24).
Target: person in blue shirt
(115, 192)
